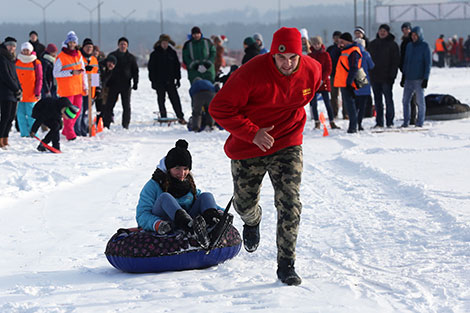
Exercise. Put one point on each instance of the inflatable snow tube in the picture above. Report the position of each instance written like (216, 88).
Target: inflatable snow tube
(441, 107)
(138, 251)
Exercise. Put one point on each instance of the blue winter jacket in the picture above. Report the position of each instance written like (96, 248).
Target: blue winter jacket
(149, 194)
(367, 64)
(417, 63)
(200, 85)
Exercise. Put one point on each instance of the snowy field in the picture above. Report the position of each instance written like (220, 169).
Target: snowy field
(385, 223)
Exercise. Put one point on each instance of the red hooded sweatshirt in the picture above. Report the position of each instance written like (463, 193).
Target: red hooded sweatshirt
(258, 95)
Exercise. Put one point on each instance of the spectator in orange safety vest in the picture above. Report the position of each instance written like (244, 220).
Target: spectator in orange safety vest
(29, 71)
(69, 71)
(440, 49)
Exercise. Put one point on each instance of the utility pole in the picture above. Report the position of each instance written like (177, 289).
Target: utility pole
(43, 7)
(99, 22)
(125, 19)
(161, 16)
(355, 13)
(91, 19)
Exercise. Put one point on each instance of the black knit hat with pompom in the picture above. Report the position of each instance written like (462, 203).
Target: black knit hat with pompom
(179, 155)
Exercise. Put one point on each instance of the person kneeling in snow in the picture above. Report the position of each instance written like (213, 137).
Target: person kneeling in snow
(170, 199)
(202, 92)
(49, 111)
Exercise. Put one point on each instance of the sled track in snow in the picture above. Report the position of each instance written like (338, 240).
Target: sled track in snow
(388, 234)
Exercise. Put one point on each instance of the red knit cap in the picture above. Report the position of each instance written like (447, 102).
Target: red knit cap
(286, 40)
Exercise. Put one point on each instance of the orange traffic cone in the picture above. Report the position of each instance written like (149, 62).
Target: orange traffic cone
(322, 120)
(100, 125)
(93, 131)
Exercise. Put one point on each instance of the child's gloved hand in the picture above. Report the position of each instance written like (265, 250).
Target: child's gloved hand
(163, 227)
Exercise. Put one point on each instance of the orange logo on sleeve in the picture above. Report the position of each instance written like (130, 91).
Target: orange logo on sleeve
(307, 91)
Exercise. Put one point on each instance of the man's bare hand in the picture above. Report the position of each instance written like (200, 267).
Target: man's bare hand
(263, 140)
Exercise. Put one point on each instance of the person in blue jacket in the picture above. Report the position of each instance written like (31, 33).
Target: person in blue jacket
(363, 95)
(202, 92)
(170, 199)
(416, 69)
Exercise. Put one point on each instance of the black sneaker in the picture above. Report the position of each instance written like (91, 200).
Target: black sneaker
(286, 272)
(251, 237)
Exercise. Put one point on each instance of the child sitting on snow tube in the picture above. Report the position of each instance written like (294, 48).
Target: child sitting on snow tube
(170, 200)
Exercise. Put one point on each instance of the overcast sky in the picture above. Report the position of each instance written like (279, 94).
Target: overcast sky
(62, 10)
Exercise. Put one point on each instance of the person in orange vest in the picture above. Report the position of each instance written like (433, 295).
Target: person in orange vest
(91, 67)
(440, 49)
(29, 71)
(69, 70)
(348, 64)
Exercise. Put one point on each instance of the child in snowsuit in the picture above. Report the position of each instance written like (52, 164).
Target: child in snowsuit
(49, 111)
(170, 199)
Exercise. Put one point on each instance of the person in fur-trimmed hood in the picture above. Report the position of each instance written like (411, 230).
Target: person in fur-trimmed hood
(170, 199)
(262, 106)
(10, 89)
(165, 74)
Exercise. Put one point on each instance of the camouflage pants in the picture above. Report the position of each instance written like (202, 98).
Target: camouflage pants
(285, 171)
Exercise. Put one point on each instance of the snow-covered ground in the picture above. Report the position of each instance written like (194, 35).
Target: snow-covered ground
(385, 223)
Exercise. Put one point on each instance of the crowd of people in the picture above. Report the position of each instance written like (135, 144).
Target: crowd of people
(453, 52)
(38, 72)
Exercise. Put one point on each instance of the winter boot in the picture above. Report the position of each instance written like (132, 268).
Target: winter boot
(212, 216)
(334, 126)
(251, 237)
(41, 148)
(183, 220)
(200, 232)
(1, 144)
(286, 272)
(317, 124)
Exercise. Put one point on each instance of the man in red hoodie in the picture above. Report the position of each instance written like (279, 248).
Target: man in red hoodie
(262, 106)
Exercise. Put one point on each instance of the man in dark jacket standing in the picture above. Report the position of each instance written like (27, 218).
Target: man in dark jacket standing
(39, 48)
(405, 39)
(10, 88)
(386, 56)
(416, 69)
(165, 75)
(120, 83)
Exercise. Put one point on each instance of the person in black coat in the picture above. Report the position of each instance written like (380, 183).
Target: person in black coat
(106, 68)
(251, 49)
(39, 48)
(165, 74)
(120, 83)
(10, 88)
(49, 111)
(386, 57)
(335, 51)
(405, 39)
(49, 84)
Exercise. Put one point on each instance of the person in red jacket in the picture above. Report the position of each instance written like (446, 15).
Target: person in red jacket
(319, 53)
(262, 106)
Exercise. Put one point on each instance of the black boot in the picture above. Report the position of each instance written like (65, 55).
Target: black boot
(41, 148)
(183, 220)
(286, 272)
(251, 237)
(212, 216)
